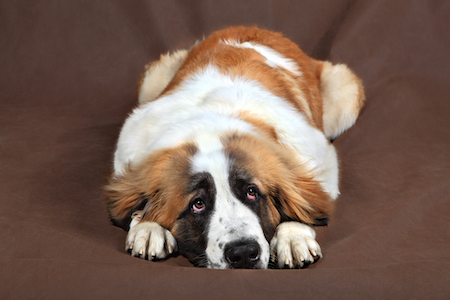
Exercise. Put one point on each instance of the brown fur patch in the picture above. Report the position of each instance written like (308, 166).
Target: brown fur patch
(291, 188)
(162, 179)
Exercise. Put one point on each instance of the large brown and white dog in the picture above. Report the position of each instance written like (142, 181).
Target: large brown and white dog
(228, 158)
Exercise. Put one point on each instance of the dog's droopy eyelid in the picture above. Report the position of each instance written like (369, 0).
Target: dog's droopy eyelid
(198, 205)
(252, 192)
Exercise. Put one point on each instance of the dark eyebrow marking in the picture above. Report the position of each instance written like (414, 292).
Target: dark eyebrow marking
(203, 180)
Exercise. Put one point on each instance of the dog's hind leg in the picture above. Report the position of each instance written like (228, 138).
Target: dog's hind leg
(343, 97)
(158, 74)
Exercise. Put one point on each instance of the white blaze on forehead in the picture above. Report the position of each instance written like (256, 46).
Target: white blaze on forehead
(231, 220)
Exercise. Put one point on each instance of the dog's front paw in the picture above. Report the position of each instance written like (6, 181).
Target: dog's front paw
(294, 245)
(149, 240)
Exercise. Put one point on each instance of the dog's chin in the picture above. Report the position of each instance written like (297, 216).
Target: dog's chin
(202, 261)
(219, 266)
(222, 264)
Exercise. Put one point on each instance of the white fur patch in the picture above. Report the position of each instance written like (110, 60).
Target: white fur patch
(273, 58)
(231, 220)
(328, 173)
(149, 240)
(294, 245)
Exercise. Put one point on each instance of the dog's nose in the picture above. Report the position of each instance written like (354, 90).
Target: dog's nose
(242, 254)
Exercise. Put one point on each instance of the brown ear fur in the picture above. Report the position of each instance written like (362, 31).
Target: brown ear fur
(302, 199)
(160, 177)
(292, 191)
(122, 198)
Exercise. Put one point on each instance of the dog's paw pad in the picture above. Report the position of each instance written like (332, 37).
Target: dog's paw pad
(150, 241)
(294, 246)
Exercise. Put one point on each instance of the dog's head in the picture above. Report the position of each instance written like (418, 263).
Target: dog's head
(223, 200)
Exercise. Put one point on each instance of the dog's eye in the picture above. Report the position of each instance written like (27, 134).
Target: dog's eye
(252, 193)
(198, 206)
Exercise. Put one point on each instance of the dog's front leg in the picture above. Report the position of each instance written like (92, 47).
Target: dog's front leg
(294, 245)
(149, 240)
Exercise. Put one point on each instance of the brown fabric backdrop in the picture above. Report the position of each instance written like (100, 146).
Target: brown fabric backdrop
(68, 73)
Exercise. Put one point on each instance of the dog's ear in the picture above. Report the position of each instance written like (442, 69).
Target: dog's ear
(146, 187)
(123, 196)
(303, 199)
(160, 181)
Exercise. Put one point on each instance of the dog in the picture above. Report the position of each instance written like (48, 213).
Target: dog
(227, 158)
